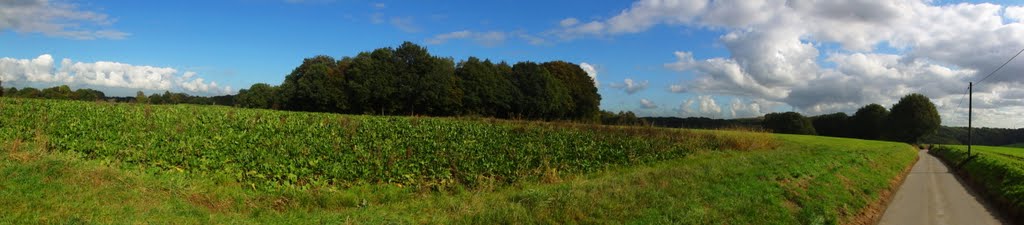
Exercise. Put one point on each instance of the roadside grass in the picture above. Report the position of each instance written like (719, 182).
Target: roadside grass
(997, 171)
(805, 179)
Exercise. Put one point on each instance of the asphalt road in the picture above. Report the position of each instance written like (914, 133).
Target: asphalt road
(931, 194)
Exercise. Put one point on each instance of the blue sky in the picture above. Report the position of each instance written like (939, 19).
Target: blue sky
(719, 59)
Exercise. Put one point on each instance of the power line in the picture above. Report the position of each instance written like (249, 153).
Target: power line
(1000, 67)
(962, 97)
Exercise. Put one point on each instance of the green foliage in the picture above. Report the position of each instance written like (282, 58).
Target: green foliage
(372, 83)
(544, 96)
(314, 86)
(998, 170)
(806, 180)
(912, 118)
(622, 118)
(58, 92)
(269, 149)
(487, 88)
(408, 80)
(30, 92)
(981, 136)
(140, 97)
(259, 95)
(585, 100)
(788, 123)
(868, 121)
(833, 125)
(428, 84)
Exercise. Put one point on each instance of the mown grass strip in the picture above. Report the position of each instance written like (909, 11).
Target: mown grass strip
(996, 172)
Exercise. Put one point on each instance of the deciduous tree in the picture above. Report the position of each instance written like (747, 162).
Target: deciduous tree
(910, 119)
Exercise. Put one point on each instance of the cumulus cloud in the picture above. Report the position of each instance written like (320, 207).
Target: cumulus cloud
(591, 71)
(648, 104)
(701, 106)
(630, 86)
(739, 109)
(776, 49)
(105, 74)
(56, 19)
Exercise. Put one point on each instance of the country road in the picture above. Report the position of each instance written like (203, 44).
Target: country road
(931, 194)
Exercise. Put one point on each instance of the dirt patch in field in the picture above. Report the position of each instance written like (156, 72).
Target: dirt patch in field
(209, 202)
(873, 212)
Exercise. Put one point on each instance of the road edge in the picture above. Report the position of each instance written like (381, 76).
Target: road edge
(872, 214)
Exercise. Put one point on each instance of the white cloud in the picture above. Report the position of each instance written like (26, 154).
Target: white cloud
(490, 38)
(648, 104)
(630, 86)
(738, 109)
(484, 38)
(702, 106)
(442, 38)
(568, 22)
(531, 39)
(379, 5)
(675, 88)
(591, 71)
(39, 69)
(105, 74)
(56, 19)
(404, 24)
(774, 49)
(377, 18)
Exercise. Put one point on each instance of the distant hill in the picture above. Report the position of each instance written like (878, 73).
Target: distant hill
(982, 136)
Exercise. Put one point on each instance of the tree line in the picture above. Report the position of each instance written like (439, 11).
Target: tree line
(58, 92)
(63, 92)
(912, 118)
(408, 80)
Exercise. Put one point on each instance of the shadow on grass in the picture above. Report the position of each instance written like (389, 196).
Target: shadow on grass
(958, 166)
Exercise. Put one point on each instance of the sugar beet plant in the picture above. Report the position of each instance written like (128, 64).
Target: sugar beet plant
(271, 149)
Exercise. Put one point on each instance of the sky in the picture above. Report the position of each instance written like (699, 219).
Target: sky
(683, 58)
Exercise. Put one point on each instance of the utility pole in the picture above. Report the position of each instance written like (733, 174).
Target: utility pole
(970, 110)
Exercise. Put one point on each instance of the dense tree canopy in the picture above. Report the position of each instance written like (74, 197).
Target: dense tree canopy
(259, 95)
(487, 88)
(788, 123)
(544, 96)
(834, 125)
(313, 86)
(585, 101)
(910, 119)
(867, 122)
(409, 81)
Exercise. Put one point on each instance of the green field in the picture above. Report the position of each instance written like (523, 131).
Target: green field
(999, 171)
(93, 162)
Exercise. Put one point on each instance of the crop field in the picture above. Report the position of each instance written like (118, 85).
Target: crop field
(999, 171)
(95, 162)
